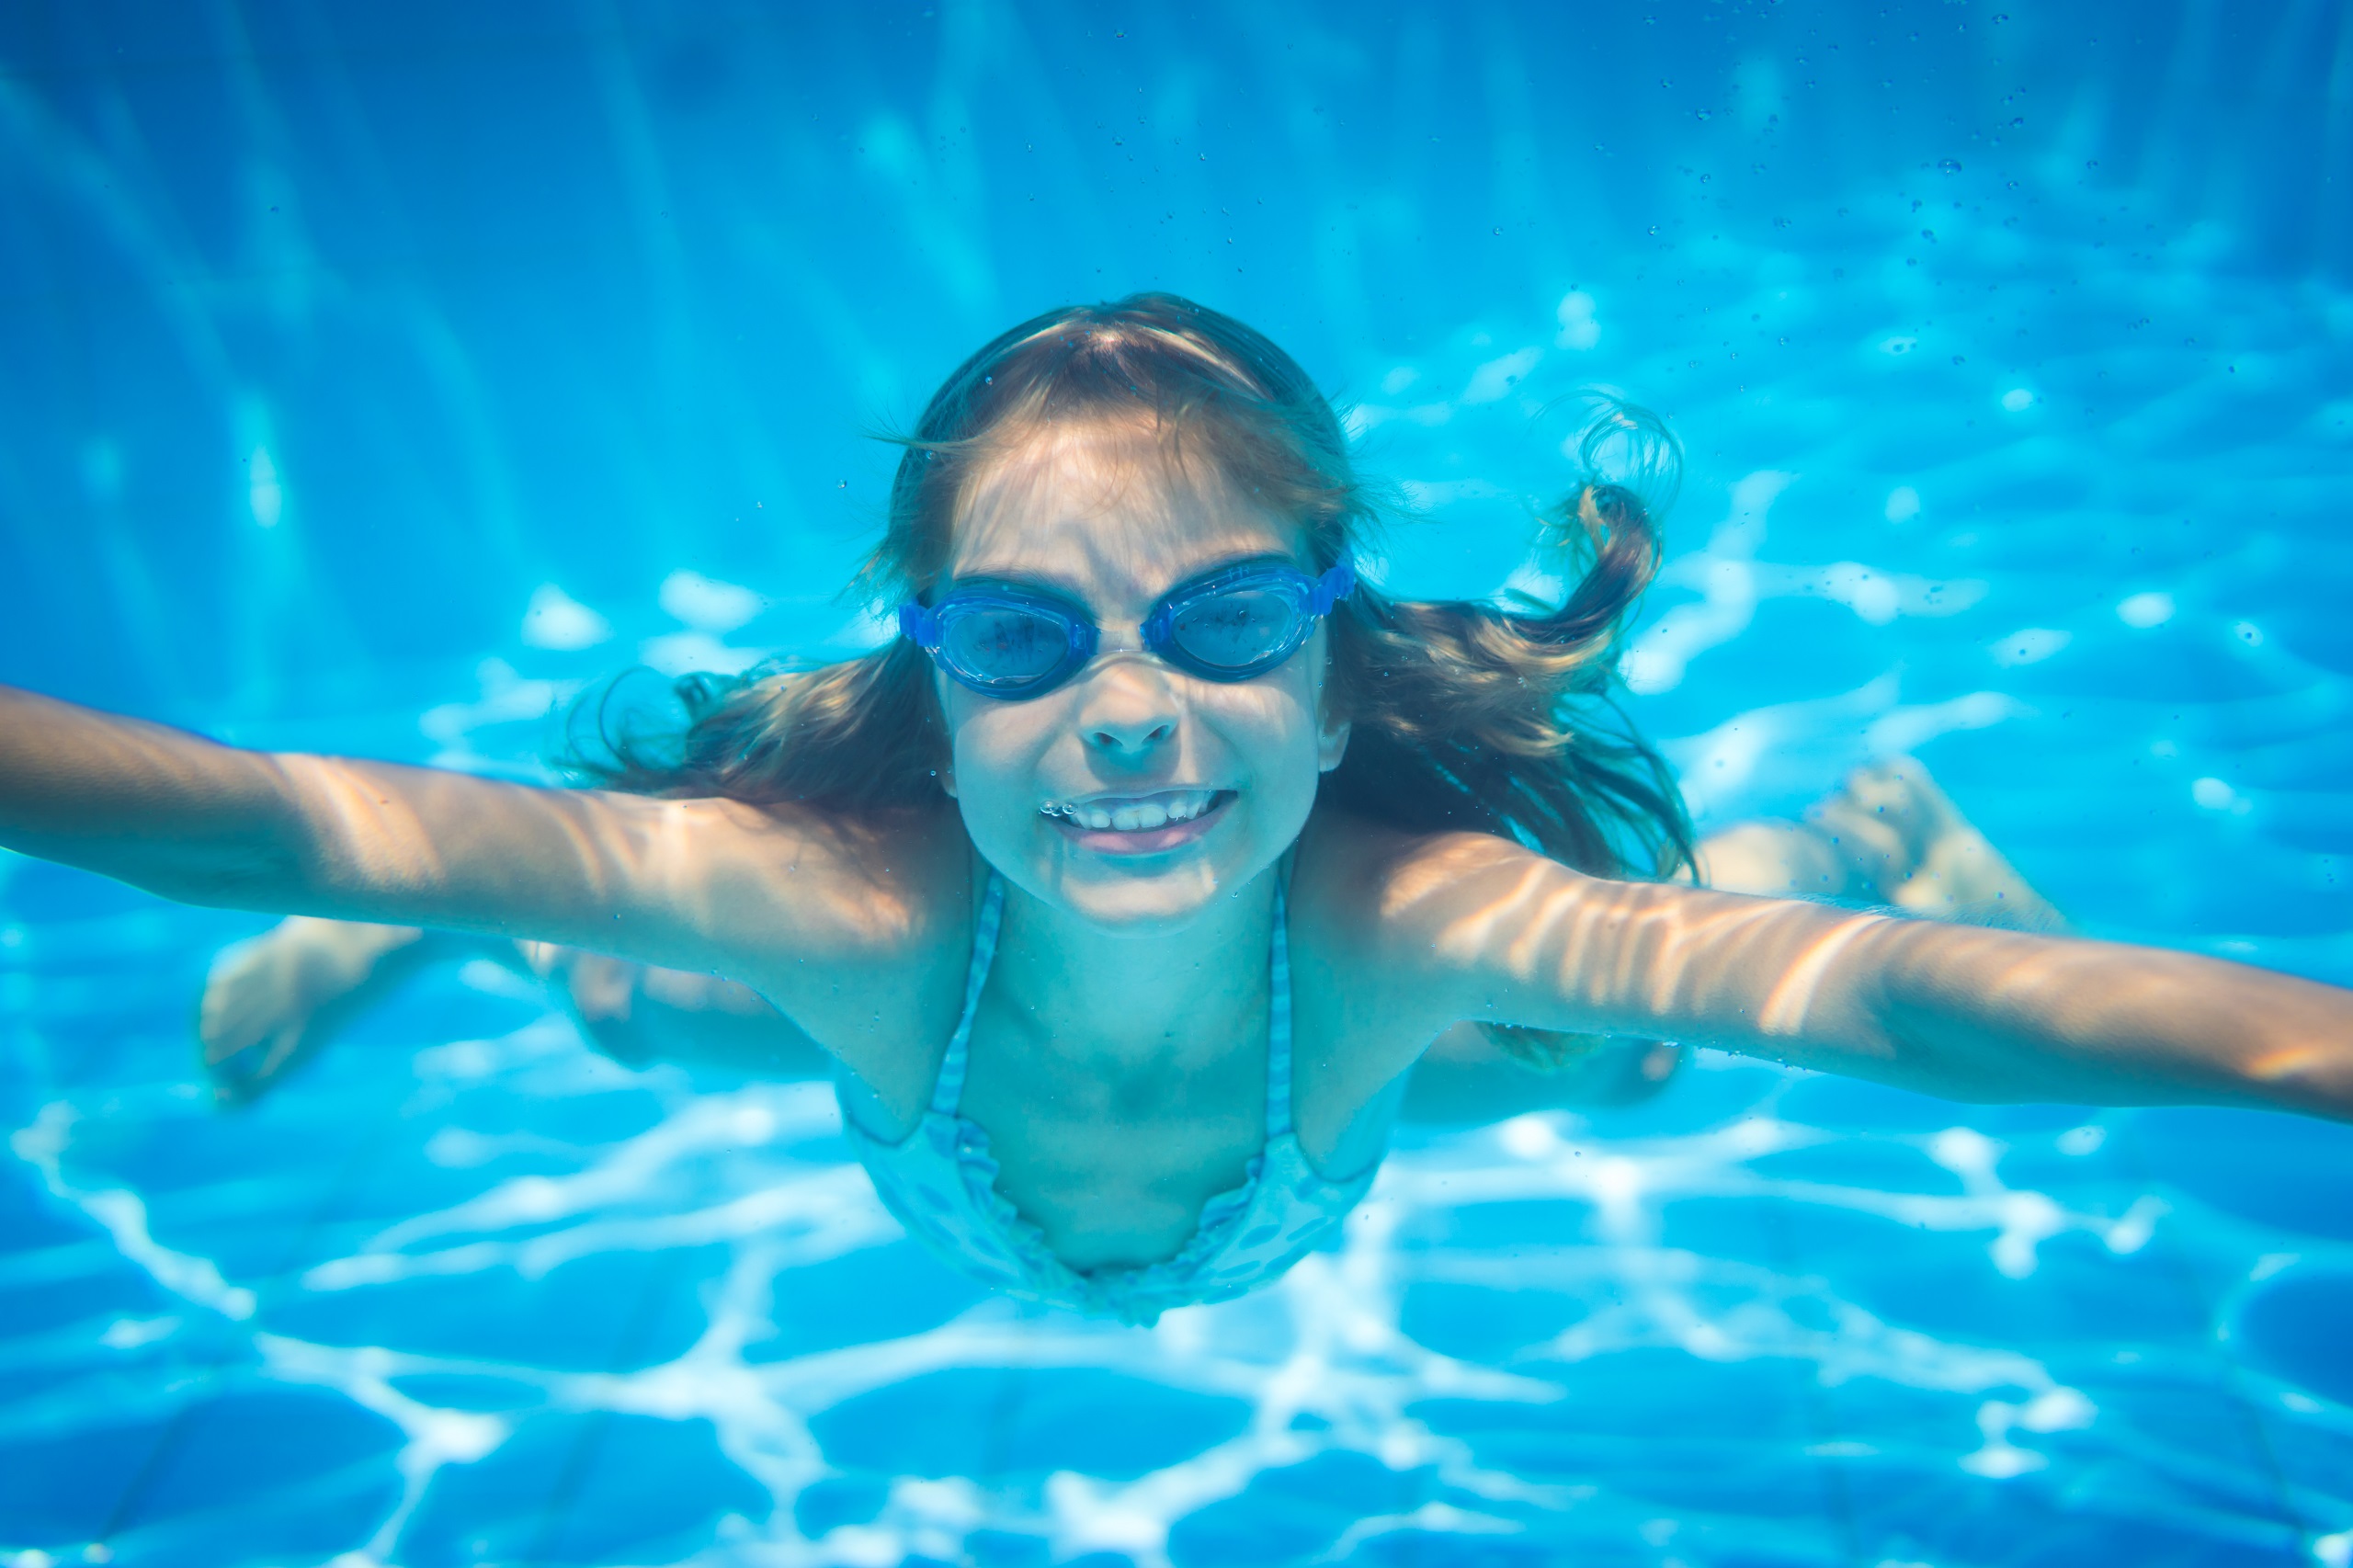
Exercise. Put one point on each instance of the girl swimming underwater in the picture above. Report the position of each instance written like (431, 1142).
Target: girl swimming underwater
(1887, 836)
(1127, 885)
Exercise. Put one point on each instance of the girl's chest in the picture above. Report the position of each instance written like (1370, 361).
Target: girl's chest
(1113, 1165)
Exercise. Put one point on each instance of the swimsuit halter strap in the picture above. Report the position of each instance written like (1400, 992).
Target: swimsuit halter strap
(1278, 1024)
(947, 1089)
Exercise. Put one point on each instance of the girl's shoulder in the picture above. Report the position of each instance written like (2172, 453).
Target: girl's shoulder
(859, 930)
(870, 886)
(1391, 890)
(1395, 931)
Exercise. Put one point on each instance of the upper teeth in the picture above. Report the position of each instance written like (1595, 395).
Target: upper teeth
(1136, 814)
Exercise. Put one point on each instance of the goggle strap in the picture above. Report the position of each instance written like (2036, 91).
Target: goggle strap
(1335, 585)
(920, 626)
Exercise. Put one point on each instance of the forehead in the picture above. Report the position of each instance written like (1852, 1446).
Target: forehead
(1109, 510)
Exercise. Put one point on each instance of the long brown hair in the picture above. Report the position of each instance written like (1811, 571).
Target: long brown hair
(1465, 715)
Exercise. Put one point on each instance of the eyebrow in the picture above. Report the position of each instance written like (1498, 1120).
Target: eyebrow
(1052, 584)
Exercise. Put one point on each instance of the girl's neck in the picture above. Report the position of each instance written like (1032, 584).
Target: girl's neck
(1129, 998)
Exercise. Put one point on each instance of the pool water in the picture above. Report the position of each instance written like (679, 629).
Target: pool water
(374, 386)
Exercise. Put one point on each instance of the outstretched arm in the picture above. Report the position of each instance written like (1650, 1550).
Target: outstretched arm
(772, 896)
(1964, 1012)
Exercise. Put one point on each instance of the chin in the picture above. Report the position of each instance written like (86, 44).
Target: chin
(1132, 905)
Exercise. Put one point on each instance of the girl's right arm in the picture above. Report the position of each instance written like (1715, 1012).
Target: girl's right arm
(789, 901)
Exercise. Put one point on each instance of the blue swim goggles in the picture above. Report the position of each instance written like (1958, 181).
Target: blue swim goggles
(1232, 624)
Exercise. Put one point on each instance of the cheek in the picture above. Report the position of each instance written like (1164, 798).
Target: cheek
(1272, 727)
(993, 748)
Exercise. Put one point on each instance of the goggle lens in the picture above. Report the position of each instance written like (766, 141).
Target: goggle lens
(1239, 629)
(1008, 643)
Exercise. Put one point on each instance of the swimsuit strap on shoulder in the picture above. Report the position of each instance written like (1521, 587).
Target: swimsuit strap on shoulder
(947, 1089)
(1279, 1025)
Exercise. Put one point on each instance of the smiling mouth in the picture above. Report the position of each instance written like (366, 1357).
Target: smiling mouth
(1136, 814)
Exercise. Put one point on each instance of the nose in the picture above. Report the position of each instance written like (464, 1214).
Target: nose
(1128, 707)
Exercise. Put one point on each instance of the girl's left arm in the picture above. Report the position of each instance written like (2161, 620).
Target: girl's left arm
(1964, 1012)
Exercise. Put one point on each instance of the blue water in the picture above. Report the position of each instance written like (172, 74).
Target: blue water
(371, 379)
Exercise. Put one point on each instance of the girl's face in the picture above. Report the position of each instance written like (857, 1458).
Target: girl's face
(1205, 783)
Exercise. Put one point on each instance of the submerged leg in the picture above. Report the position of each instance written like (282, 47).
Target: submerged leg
(1886, 835)
(271, 1001)
(274, 1002)
(1775, 859)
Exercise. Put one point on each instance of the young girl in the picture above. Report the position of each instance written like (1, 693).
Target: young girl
(1127, 885)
